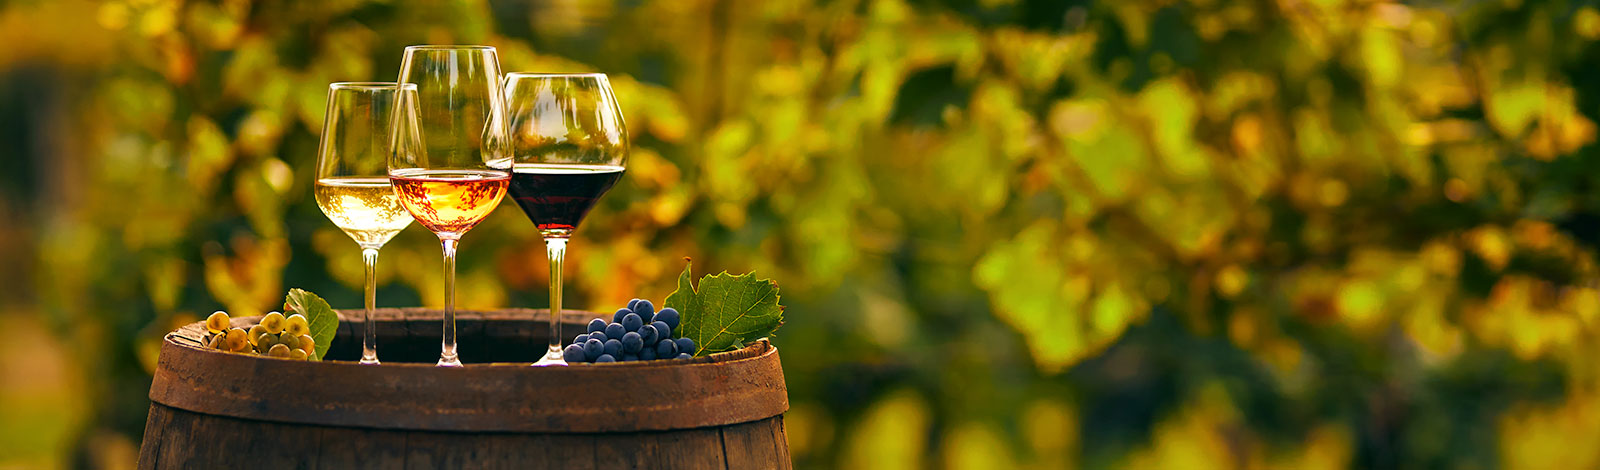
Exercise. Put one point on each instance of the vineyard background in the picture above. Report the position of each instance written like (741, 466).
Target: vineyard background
(1009, 233)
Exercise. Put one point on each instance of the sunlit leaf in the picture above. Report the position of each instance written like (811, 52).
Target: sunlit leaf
(890, 435)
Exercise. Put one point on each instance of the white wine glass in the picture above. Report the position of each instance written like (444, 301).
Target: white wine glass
(352, 186)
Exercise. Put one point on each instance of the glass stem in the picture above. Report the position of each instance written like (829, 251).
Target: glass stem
(447, 355)
(556, 250)
(369, 330)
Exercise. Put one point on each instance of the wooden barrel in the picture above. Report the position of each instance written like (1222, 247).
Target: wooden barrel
(211, 409)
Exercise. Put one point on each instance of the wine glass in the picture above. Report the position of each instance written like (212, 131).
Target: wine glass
(352, 186)
(570, 146)
(459, 173)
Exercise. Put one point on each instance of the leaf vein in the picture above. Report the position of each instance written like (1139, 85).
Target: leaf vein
(741, 314)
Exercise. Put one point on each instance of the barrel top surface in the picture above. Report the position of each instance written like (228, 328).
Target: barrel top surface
(720, 389)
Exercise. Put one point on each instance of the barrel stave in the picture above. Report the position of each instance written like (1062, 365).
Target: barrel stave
(183, 439)
(757, 444)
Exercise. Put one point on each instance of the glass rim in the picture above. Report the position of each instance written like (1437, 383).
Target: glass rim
(449, 47)
(373, 86)
(555, 74)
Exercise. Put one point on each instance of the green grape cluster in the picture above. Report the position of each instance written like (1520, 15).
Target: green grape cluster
(276, 336)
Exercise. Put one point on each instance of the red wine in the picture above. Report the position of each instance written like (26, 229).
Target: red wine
(556, 197)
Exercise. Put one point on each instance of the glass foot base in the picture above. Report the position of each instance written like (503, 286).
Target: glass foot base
(369, 361)
(552, 358)
(450, 361)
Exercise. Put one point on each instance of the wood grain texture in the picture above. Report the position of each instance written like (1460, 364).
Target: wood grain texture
(725, 388)
(155, 426)
(220, 410)
(754, 445)
(358, 448)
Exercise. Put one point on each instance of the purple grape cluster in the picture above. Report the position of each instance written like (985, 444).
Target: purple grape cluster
(635, 333)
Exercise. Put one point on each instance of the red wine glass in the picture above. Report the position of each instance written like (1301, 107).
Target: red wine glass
(570, 146)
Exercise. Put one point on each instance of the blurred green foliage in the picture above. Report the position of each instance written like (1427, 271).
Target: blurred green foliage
(1010, 233)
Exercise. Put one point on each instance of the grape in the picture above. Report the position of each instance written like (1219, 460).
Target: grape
(297, 325)
(298, 355)
(254, 334)
(605, 358)
(617, 317)
(614, 331)
(593, 348)
(645, 306)
(631, 322)
(274, 322)
(217, 322)
(684, 356)
(307, 344)
(646, 317)
(578, 340)
(647, 354)
(630, 357)
(648, 334)
(215, 342)
(613, 347)
(236, 340)
(292, 341)
(664, 330)
(596, 325)
(278, 350)
(666, 348)
(685, 345)
(669, 315)
(633, 303)
(631, 343)
(574, 353)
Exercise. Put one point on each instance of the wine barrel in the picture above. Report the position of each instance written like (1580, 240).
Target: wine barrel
(211, 409)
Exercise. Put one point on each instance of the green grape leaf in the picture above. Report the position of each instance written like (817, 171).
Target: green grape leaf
(681, 299)
(726, 311)
(324, 322)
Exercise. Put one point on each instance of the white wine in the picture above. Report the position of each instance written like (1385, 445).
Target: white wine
(365, 208)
